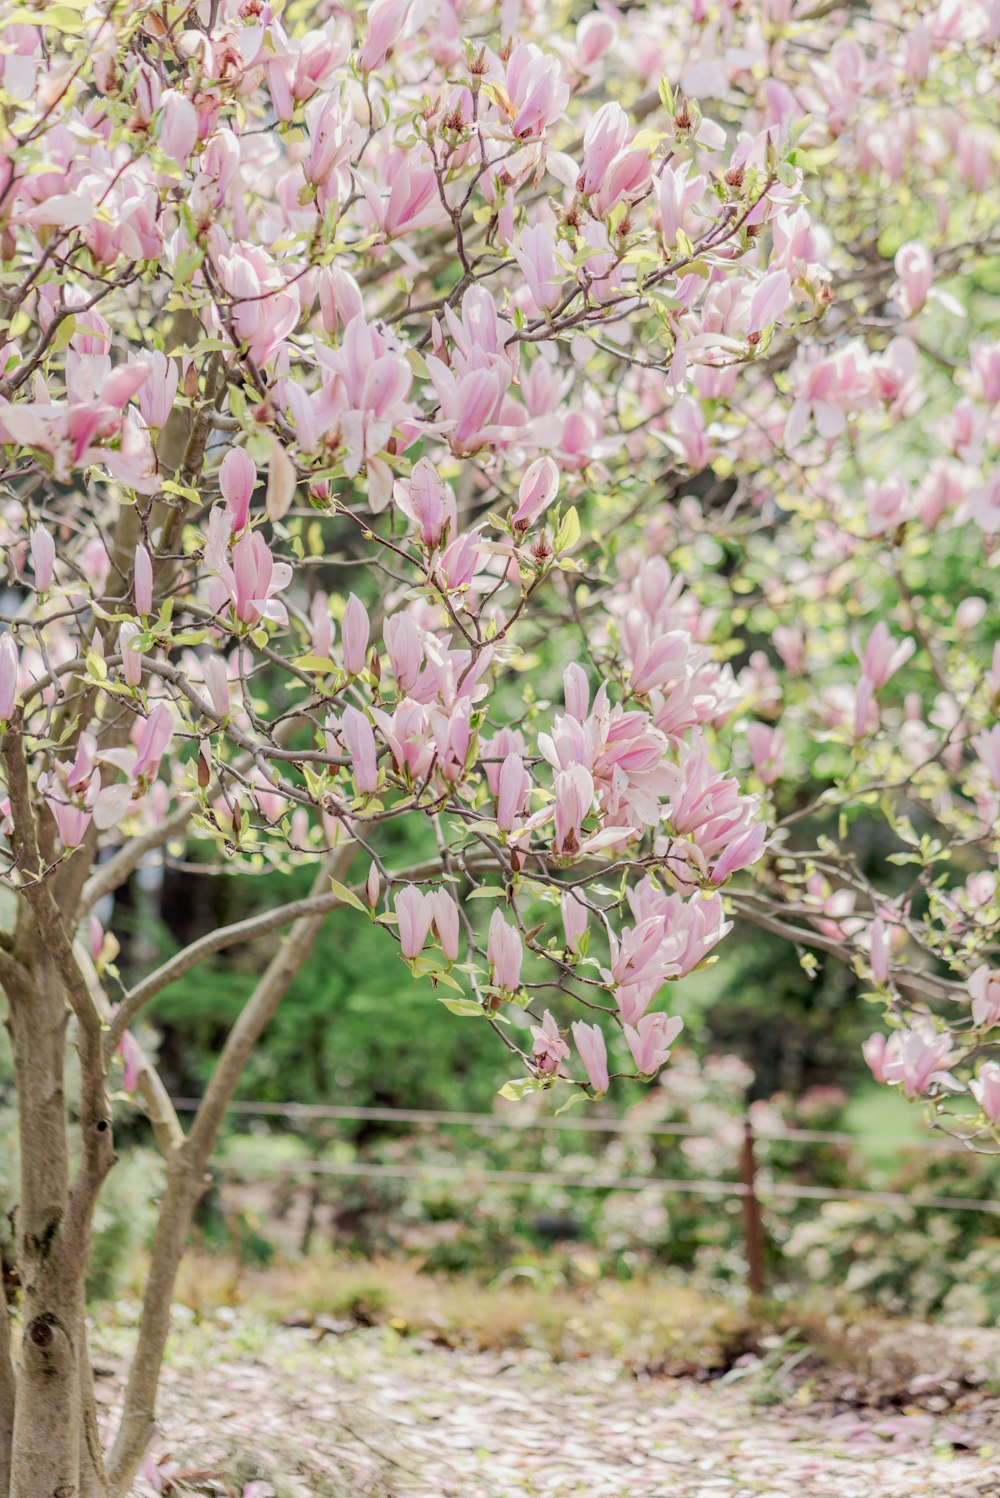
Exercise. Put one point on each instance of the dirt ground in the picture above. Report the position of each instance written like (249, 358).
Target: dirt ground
(251, 1410)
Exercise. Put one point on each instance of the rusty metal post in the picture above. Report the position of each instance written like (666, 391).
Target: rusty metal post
(753, 1229)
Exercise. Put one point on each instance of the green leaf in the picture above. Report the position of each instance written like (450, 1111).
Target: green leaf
(575, 1098)
(468, 1008)
(347, 896)
(314, 663)
(568, 533)
(519, 1087)
(169, 487)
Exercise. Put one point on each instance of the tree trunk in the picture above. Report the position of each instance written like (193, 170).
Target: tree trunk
(6, 1394)
(54, 1451)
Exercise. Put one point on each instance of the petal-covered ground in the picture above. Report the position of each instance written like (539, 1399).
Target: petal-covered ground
(256, 1410)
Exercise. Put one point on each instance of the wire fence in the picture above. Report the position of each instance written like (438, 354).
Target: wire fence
(752, 1189)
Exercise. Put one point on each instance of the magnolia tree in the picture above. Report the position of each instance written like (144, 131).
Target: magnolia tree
(357, 366)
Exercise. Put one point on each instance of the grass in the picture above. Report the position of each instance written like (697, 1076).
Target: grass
(649, 1321)
(889, 1123)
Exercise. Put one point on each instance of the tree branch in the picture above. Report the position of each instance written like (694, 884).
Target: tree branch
(185, 1182)
(249, 929)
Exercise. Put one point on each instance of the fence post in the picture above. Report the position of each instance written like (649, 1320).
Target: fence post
(753, 1231)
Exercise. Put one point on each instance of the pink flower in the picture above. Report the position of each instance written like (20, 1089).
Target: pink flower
(414, 912)
(574, 918)
(359, 738)
(594, 36)
(142, 582)
(504, 953)
(882, 656)
(769, 300)
(535, 253)
(156, 397)
(650, 1041)
(889, 505)
(9, 669)
(355, 631)
(445, 919)
(512, 792)
(923, 1056)
(604, 137)
(250, 583)
(217, 681)
(915, 269)
(877, 1050)
(406, 650)
(987, 746)
(425, 499)
(237, 477)
(548, 1047)
(675, 195)
(984, 987)
(471, 404)
(589, 1041)
(879, 949)
(179, 126)
(740, 854)
(536, 89)
(154, 741)
(386, 19)
(986, 1090)
(131, 659)
(574, 793)
(576, 691)
(767, 750)
(538, 489)
(43, 557)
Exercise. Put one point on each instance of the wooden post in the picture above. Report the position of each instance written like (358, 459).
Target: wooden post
(753, 1231)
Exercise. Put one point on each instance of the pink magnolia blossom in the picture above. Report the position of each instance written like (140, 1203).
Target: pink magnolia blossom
(131, 659)
(359, 738)
(355, 631)
(879, 949)
(504, 953)
(882, 656)
(769, 300)
(426, 500)
(142, 582)
(43, 557)
(237, 479)
(157, 394)
(924, 1055)
(589, 1041)
(984, 987)
(414, 912)
(386, 19)
(548, 1047)
(986, 1090)
(251, 581)
(512, 791)
(574, 918)
(536, 255)
(9, 672)
(767, 750)
(445, 921)
(538, 489)
(650, 1041)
